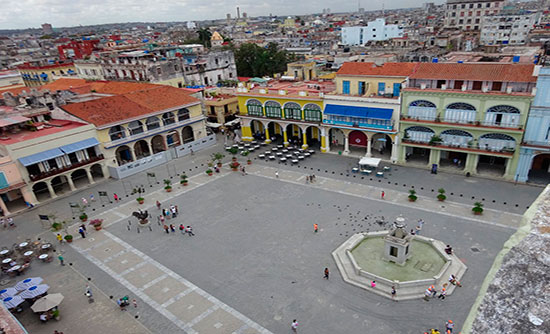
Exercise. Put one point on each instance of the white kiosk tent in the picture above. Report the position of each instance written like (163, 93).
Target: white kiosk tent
(369, 162)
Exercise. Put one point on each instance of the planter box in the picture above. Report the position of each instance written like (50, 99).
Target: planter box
(168, 190)
(141, 202)
(97, 228)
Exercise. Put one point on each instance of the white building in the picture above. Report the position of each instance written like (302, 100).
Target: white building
(376, 30)
(507, 28)
(468, 14)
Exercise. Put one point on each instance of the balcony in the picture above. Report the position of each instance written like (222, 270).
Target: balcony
(447, 121)
(470, 148)
(57, 171)
(365, 123)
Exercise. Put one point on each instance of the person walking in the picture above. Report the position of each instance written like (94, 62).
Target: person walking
(61, 260)
(189, 231)
(59, 238)
(166, 229)
(326, 273)
(373, 284)
(115, 196)
(315, 228)
(393, 293)
(442, 294)
(449, 326)
(294, 326)
(182, 229)
(82, 233)
(172, 228)
(158, 205)
(134, 302)
(382, 194)
(92, 198)
(277, 174)
(84, 202)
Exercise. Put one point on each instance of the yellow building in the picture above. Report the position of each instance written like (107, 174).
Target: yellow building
(221, 108)
(38, 75)
(285, 112)
(302, 70)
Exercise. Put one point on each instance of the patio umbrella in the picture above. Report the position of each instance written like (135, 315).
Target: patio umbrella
(11, 302)
(34, 291)
(9, 292)
(47, 302)
(27, 283)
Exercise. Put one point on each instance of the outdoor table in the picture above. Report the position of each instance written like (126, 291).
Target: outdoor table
(311, 151)
(271, 157)
(43, 257)
(380, 174)
(46, 246)
(227, 148)
(280, 146)
(6, 261)
(300, 157)
(240, 148)
(355, 170)
(283, 159)
(263, 143)
(307, 154)
(23, 244)
(257, 146)
(289, 155)
(261, 156)
(279, 154)
(267, 152)
(297, 153)
(15, 268)
(274, 149)
(235, 145)
(4, 252)
(246, 144)
(387, 168)
(285, 150)
(366, 171)
(28, 253)
(294, 161)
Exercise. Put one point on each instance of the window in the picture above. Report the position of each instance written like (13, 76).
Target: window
(293, 111)
(477, 85)
(345, 87)
(497, 86)
(168, 118)
(312, 113)
(273, 109)
(361, 88)
(159, 71)
(152, 123)
(254, 108)
(183, 114)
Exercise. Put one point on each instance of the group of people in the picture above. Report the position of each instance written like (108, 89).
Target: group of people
(449, 325)
(171, 213)
(310, 178)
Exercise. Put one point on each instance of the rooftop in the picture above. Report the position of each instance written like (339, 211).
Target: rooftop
(371, 69)
(81, 86)
(475, 72)
(17, 133)
(292, 88)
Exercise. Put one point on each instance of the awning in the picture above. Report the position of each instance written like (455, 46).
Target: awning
(363, 112)
(373, 162)
(83, 144)
(12, 120)
(42, 156)
(233, 122)
(213, 125)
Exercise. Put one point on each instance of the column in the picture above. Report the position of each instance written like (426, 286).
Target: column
(304, 140)
(369, 147)
(28, 195)
(524, 165)
(71, 183)
(471, 163)
(434, 157)
(132, 153)
(246, 130)
(4, 207)
(105, 171)
(508, 172)
(267, 137)
(150, 145)
(50, 189)
(325, 145)
(285, 137)
(90, 177)
(346, 143)
(394, 149)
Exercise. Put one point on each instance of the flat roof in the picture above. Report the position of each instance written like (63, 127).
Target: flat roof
(58, 126)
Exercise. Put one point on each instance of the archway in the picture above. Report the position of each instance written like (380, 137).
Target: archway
(41, 191)
(135, 127)
(418, 134)
(187, 134)
(80, 178)
(168, 118)
(381, 146)
(313, 136)
(157, 142)
(152, 123)
(540, 169)
(141, 149)
(337, 139)
(257, 129)
(60, 185)
(173, 139)
(117, 132)
(502, 115)
(294, 135)
(275, 133)
(123, 155)
(97, 172)
(358, 138)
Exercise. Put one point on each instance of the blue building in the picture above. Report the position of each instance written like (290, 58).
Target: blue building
(534, 161)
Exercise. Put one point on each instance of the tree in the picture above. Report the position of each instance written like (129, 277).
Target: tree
(204, 36)
(255, 61)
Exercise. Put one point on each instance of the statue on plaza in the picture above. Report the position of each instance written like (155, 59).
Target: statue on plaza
(141, 216)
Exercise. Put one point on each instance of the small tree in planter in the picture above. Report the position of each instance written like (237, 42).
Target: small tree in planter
(218, 157)
(140, 200)
(183, 180)
(233, 152)
(441, 197)
(96, 223)
(209, 172)
(478, 208)
(139, 191)
(83, 216)
(234, 165)
(56, 226)
(168, 185)
(412, 195)
(435, 140)
(69, 238)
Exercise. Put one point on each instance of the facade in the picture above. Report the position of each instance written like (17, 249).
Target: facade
(534, 162)
(38, 75)
(302, 70)
(138, 124)
(466, 117)
(10, 79)
(89, 69)
(221, 108)
(468, 14)
(507, 28)
(376, 30)
(77, 49)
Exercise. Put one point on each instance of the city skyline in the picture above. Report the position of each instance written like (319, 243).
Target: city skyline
(64, 13)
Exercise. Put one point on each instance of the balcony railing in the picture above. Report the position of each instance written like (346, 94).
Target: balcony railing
(57, 171)
(514, 125)
(469, 147)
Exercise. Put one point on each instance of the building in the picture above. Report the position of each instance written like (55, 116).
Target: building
(47, 29)
(89, 69)
(77, 49)
(363, 113)
(468, 118)
(376, 30)
(36, 74)
(10, 79)
(468, 14)
(221, 108)
(507, 28)
(301, 70)
(216, 40)
(534, 162)
(284, 112)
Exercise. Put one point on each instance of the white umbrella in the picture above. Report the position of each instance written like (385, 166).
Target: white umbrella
(47, 302)
(8, 292)
(11, 302)
(35, 291)
(27, 283)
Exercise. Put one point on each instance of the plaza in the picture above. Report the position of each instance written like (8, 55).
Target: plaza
(255, 263)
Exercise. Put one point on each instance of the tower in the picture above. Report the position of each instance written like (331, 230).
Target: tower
(238, 13)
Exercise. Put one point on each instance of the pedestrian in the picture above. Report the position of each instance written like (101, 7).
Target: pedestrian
(383, 194)
(10, 222)
(313, 177)
(92, 198)
(244, 171)
(454, 281)
(427, 294)
(326, 273)
(177, 211)
(433, 290)
(373, 284)
(161, 219)
(182, 229)
(59, 238)
(189, 231)
(192, 153)
(134, 302)
(84, 202)
(294, 326)
(449, 325)
(83, 227)
(172, 228)
(158, 205)
(3, 222)
(417, 230)
(412, 232)
(173, 210)
(307, 179)
(420, 223)
(61, 259)
(88, 291)
(82, 233)
(442, 294)
(115, 196)
(277, 174)
(315, 228)
(393, 293)
(166, 229)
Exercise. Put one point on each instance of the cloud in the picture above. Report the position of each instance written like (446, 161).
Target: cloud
(17, 14)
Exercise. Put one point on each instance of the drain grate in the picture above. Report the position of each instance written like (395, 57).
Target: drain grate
(474, 249)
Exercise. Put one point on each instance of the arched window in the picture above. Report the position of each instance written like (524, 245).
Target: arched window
(497, 142)
(254, 108)
(293, 110)
(152, 123)
(422, 103)
(421, 109)
(273, 109)
(117, 132)
(461, 106)
(504, 109)
(502, 115)
(456, 138)
(168, 118)
(312, 113)
(135, 127)
(420, 134)
(460, 113)
(183, 114)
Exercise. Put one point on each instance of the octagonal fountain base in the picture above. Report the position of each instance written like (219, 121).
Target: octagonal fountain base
(360, 260)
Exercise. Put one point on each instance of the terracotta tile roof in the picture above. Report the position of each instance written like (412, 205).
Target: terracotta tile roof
(475, 72)
(14, 89)
(121, 87)
(371, 69)
(113, 109)
(63, 84)
(81, 86)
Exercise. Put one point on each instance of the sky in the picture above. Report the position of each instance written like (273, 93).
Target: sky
(20, 14)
